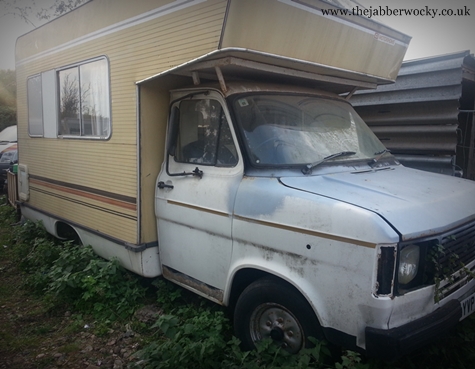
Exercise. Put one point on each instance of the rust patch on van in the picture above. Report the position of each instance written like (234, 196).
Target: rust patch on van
(295, 262)
(193, 284)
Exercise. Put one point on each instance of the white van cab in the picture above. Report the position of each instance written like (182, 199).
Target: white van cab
(308, 225)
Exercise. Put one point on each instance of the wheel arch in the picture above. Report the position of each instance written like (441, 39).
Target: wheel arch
(66, 231)
(247, 275)
(288, 315)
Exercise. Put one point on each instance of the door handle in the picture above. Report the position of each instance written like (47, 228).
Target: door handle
(162, 184)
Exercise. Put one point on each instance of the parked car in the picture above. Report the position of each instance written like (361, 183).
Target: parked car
(8, 147)
(8, 157)
(8, 137)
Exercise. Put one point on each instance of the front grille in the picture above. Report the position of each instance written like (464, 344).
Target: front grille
(456, 252)
(460, 243)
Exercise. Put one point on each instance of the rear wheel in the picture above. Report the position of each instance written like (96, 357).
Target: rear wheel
(269, 308)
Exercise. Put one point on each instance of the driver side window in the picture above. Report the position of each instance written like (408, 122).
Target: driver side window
(204, 136)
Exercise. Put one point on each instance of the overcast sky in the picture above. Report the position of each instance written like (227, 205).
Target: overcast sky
(12, 27)
(430, 36)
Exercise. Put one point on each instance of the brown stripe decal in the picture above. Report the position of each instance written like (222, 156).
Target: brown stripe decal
(125, 202)
(199, 208)
(306, 231)
(279, 226)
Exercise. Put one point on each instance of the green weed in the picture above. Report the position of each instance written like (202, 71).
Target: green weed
(91, 284)
(66, 274)
(6, 230)
(197, 335)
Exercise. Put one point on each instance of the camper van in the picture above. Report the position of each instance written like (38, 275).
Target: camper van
(213, 142)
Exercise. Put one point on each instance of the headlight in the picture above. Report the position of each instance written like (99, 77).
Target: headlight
(408, 263)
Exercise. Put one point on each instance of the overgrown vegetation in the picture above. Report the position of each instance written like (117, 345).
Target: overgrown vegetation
(198, 336)
(187, 331)
(73, 276)
(7, 98)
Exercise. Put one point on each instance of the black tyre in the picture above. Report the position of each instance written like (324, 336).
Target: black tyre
(272, 308)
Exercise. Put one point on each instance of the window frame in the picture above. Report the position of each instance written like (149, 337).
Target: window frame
(218, 139)
(109, 100)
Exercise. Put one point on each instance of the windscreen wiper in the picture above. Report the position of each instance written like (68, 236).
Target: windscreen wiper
(309, 167)
(379, 155)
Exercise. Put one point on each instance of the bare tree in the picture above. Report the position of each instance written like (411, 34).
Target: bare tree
(69, 98)
(58, 8)
(31, 10)
(7, 98)
(17, 9)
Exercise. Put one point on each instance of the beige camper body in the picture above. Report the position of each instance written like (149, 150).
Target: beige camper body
(102, 185)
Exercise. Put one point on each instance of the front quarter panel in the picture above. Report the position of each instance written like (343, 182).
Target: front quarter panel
(324, 247)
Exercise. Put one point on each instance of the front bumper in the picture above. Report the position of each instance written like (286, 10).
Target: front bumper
(389, 344)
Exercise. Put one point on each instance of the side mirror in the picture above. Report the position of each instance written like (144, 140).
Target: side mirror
(173, 122)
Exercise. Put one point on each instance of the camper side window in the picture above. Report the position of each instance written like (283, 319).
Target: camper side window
(204, 135)
(84, 102)
(35, 106)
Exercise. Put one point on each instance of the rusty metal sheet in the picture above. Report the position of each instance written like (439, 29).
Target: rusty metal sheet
(436, 164)
(427, 115)
(431, 140)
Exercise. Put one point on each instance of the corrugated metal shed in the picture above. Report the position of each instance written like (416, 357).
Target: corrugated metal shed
(426, 118)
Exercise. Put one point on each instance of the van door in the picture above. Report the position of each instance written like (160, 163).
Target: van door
(195, 195)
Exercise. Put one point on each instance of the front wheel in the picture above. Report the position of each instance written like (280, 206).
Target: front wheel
(269, 308)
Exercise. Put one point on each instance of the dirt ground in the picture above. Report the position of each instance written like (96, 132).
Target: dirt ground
(33, 337)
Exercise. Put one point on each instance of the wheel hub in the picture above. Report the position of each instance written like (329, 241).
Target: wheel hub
(274, 321)
(277, 334)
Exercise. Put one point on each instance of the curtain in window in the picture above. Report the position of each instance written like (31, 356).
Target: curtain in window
(95, 111)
